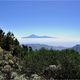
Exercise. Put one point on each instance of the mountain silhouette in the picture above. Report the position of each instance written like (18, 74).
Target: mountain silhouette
(36, 36)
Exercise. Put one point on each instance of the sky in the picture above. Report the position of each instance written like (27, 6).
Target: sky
(57, 18)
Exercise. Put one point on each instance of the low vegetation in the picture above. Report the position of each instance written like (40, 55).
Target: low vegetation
(20, 62)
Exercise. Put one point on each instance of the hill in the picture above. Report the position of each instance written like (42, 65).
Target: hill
(76, 48)
(39, 46)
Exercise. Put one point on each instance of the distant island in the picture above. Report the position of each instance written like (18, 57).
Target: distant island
(36, 36)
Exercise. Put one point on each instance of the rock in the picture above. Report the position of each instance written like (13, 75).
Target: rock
(1, 77)
(8, 56)
(14, 74)
(11, 62)
(7, 72)
(1, 50)
(35, 77)
(21, 77)
(52, 71)
(7, 68)
(53, 67)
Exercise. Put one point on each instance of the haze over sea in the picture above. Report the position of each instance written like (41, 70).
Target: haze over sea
(51, 41)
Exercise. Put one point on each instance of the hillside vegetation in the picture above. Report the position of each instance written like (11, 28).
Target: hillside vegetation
(20, 62)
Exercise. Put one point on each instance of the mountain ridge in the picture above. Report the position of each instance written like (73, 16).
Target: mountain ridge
(76, 47)
(39, 46)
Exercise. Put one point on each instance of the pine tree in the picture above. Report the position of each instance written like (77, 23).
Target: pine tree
(1, 36)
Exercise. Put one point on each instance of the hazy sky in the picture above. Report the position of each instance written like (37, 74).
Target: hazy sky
(53, 18)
